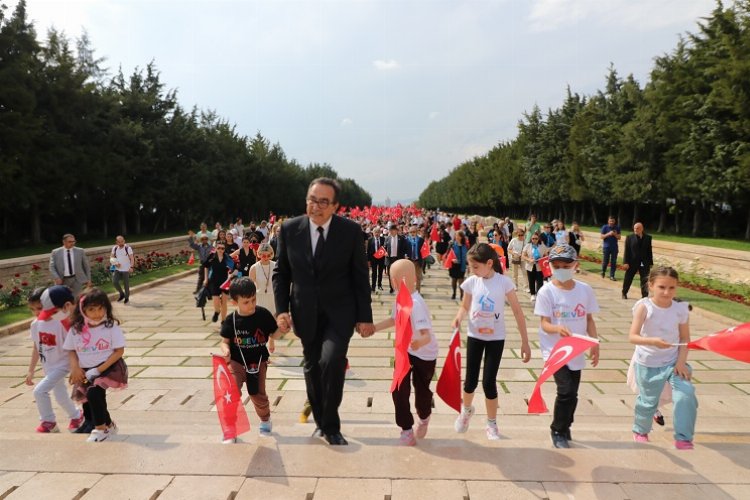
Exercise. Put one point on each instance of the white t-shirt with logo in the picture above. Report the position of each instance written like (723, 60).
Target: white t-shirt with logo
(95, 346)
(420, 320)
(49, 337)
(487, 311)
(664, 323)
(568, 308)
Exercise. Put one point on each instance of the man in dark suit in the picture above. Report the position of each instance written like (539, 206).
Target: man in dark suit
(638, 259)
(414, 248)
(321, 289)
(69, 265)
(395, 248)
(374, 244)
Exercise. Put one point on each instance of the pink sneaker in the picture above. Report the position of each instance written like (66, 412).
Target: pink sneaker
(46, 427)
(420, 428)
(640, 438)
(75, 423)
(683, 445)
(407, 438)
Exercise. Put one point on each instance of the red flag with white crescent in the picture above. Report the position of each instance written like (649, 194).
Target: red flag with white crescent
(232, 414)
(225, 285)
(404, 333)
(191, 259)
(379, 253)
(566, 349)
(731, 342)
(449, 384)
(449, 259)
(545, 267)
(425, 250)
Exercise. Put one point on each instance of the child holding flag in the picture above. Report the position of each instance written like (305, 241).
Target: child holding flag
(423, 352)
(661, 332)
(566, 307)
(486, 292)
(245, 334)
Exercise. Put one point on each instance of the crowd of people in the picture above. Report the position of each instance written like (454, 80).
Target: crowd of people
(315, 274)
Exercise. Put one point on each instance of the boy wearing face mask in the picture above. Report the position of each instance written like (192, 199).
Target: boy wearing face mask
(566, 306)
(48, 333)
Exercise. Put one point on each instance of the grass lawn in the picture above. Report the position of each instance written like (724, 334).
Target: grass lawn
(8, 316)
(12, 253)
(705, 301)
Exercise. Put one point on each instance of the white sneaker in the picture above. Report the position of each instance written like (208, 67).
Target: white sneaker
(462, 421)
(492, 433)
(97, 436)
(229, 441)
(112, 428)
(533, 298)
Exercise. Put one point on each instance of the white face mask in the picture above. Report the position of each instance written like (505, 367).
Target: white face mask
(563, 275)
(60, 315)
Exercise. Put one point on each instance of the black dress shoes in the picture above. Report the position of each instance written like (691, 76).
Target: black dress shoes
(624, 296)
(336, 439)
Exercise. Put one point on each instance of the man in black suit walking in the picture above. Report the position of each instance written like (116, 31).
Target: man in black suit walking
(377, 265)
(321, 290)
(414, 253)
(395, 247)
(638, 259)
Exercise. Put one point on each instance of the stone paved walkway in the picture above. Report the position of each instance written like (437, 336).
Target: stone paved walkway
(168, 446)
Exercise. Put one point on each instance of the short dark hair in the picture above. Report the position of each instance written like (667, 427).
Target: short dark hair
(36, 294)
(242, 287)
(327, 181)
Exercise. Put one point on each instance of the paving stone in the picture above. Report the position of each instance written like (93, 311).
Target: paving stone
(54, 486)
(12, 480)
(495, 490)
(175, 372)
(364, 489)
(278, 487)
(202, 487)
(584, 491)
(127, 486)
(427, 489)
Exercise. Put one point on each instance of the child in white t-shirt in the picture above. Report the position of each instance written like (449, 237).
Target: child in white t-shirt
(422, 355)
(96, 345)
(661, 333)
(566, 307)
(48, 332)
(485, 294)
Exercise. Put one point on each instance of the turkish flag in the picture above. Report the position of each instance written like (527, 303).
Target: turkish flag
(545, 267)
(379, 253)
(425, 250)
(731, 342)
(402, 366)
(232, 415)
(191, 259)
(449, 384)
(225, 285)
(566, 349)
(448, 259)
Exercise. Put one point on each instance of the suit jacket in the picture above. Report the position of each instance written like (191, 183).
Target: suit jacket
(371, 248)
(402, 250)
(637, 252)
(80, 264)
(420, 242)
(339, 291)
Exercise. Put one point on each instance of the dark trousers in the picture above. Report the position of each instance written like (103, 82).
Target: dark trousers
(643, 271)
(493, 353)
(325, 369)
(377, 266)
(97, 401)
(536, 280)
(421, 372)
(567, 381)
(201, 277)
(609, 255)
(125, 277)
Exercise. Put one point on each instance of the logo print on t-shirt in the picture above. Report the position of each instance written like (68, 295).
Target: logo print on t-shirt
(102, 345)
(47, 339)
(487, 304)
(578, 312)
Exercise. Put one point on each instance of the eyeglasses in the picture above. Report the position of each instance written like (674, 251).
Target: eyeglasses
(321, 203)
(219, 248)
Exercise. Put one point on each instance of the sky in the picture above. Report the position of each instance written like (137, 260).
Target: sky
(391, 93)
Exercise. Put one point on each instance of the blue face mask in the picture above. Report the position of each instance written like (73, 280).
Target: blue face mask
(563, 275)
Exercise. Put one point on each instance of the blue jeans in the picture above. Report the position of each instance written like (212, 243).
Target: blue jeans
(650, 385)
(610, 253)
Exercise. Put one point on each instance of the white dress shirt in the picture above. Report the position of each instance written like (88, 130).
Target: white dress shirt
(314, 232)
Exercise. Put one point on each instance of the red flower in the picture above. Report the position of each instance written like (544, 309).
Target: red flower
(99, 259)
(24, 283)
(1, 286)
(35, 267)
(17, 275)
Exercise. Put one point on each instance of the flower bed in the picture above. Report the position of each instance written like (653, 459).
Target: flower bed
(698, 280)
(15, 292)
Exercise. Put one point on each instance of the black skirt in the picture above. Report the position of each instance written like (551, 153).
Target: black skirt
(455, 272)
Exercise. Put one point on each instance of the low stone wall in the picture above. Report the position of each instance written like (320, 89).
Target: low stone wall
(23, 265)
